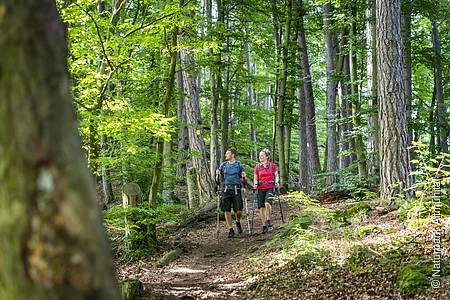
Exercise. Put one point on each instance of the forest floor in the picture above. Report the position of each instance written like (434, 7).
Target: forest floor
(334, 263)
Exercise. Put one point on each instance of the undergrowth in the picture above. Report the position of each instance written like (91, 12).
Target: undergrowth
(318, 257)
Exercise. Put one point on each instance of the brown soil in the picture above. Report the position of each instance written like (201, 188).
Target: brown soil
(212, 268)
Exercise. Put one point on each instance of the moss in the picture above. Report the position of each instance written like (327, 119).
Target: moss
(337, 218)
(169, 257)
(416, 223)
(411, 279)
(365, 230)
(357, 213)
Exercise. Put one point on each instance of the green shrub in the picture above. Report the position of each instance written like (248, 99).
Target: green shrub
(411, 279)
(128, 228)
(357, 213)
(364, 231)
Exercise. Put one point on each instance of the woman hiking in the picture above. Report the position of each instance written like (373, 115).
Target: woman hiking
(265, 182)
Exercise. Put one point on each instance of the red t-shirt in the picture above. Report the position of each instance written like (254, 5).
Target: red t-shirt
(265, 175)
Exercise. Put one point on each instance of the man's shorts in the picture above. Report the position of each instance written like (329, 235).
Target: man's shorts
(231, 199)
(265, 196)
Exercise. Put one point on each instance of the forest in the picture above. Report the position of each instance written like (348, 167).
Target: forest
(115, 117)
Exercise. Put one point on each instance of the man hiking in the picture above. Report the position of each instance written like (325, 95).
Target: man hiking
(265, 180)
(231, 172)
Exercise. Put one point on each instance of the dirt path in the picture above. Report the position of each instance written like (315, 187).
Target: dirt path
(213, 267)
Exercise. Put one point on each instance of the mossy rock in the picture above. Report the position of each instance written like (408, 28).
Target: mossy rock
(169, 257)
(356, 213)
(411, 279)
(364, 231)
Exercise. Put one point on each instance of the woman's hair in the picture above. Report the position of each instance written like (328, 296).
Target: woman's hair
(266, 152)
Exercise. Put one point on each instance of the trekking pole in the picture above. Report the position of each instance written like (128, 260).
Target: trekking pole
(246, 206)
(218, 206)
(279, 202)
(253, 210)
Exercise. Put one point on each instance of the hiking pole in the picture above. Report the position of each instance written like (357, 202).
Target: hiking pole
(246, 207)
(218, 206)
(253, 210)
(279, 202)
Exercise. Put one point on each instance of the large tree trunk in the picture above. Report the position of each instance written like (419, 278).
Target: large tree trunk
(183, 135)
(305, 180)
(332, 164)
(214, 151)
(195, 130)
(52, 243)
(281, 102)
(394, 154)
(313, 150)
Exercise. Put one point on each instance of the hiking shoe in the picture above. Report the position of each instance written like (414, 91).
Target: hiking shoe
(265, 229)
(269, 223)
(231, 233)
(239, 227)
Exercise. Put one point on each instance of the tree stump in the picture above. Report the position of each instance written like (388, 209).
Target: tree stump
(132, 289)
(131, 195)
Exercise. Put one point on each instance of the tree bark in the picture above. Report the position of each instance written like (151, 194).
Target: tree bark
(356, 105)
(195, 130)
(304, 168)
(393, 134)
(253, 153)
(52, 245)
(281, 102)
(332, 164)
(372, 138)
(440, 103)
(313, 150)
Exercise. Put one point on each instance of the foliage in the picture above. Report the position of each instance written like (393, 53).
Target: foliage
(411, 279)
(431, 177)
(128, 227)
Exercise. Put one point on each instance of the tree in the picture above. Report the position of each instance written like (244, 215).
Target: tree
(393, 133)
(332, 164)
(313, 150)
(52, 242)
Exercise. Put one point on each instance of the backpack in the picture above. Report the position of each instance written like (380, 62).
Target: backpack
(225, 169)
(271, 170)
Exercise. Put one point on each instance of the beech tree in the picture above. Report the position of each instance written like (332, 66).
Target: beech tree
(52, 242)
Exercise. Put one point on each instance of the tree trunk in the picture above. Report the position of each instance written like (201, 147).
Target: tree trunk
(304, 168)
(313, 150)
(372, 138)
(214, 106)
(281, 102)
(440, 103)
(52, 244)
(132, 289)
(193, 199)
(195, 130)
(356, 105)
(394, 154)
(253, 153)
(107, 186)
(131, 195)
(332, 164)
(183, 135)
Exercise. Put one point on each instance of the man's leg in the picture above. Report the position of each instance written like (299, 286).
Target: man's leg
(228, 219)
